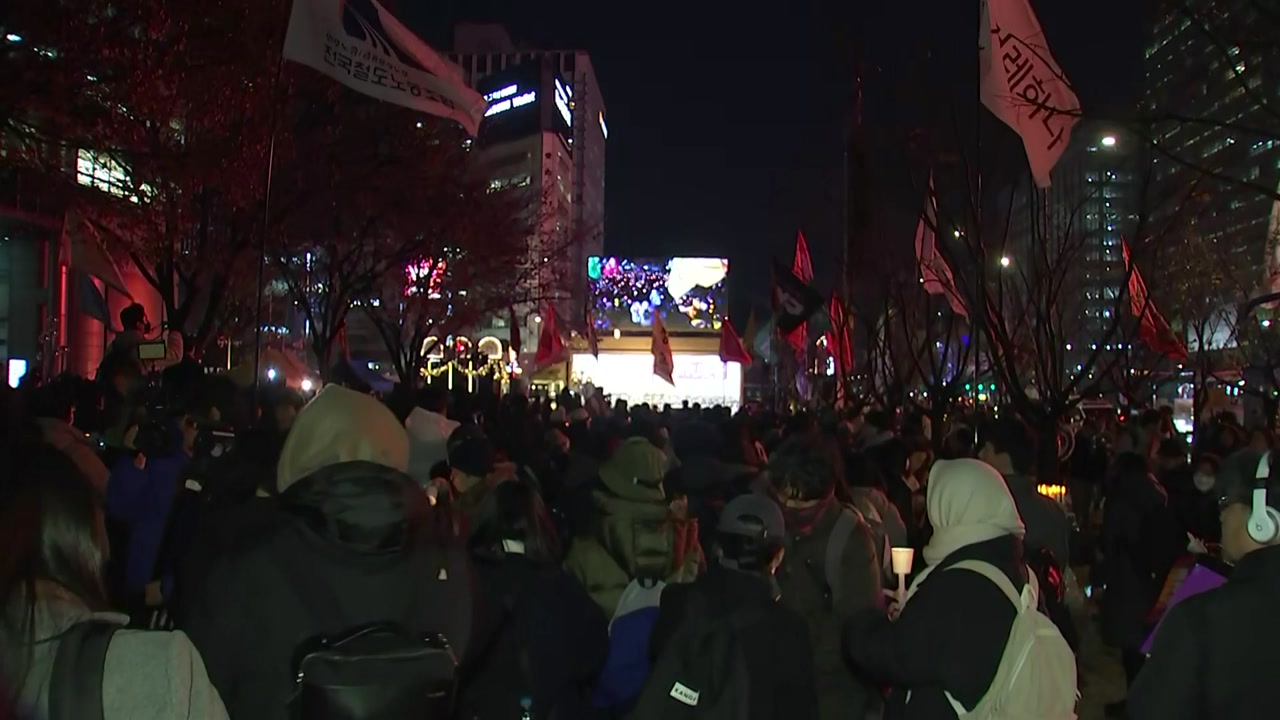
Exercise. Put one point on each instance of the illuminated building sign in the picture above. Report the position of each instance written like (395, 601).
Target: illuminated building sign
(564, 98)
(502, 94)
(514, 102)
(604, 128)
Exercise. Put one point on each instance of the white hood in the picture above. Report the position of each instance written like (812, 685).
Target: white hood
(428, 441)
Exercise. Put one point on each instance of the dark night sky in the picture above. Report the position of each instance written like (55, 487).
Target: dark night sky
(725, 119)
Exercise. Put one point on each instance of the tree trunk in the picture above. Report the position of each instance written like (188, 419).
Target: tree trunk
(1048, 465)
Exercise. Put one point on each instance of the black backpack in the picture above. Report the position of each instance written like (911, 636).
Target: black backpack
(374, 672)
(75, 688)
(702, 672)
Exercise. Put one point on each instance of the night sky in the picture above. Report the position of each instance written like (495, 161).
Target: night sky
(726, 119)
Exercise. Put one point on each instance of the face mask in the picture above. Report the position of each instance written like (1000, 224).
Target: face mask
(1203, 481)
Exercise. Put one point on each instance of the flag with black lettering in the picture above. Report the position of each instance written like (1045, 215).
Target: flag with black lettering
(1023, 85)
(794, 301)
(361, 45)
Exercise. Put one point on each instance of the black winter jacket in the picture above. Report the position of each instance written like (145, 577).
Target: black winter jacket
(347, 552)
(1215, 655)
(776, 648)
(538, 635)
(949, 638)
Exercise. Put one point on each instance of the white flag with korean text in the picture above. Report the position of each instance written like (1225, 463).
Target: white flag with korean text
(1023, 85)
(361, 45)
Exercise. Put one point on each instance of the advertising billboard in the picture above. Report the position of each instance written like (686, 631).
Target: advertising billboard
(515, 103)
(699, 378)
(526, 99)
(689, 294)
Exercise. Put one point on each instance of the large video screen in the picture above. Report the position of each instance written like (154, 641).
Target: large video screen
(689, 294)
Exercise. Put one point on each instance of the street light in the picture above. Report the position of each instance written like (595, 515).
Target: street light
(1109, 141)
(1004, 261)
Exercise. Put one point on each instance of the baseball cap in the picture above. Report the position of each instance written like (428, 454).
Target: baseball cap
(753, 515)
(470, 451)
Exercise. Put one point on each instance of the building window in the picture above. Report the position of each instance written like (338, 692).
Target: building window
(102, 173)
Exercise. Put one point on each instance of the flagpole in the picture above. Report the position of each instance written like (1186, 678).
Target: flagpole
(273, 119)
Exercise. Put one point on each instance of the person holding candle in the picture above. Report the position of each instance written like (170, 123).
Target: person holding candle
(949, 636)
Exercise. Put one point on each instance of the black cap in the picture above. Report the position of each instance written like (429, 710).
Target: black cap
(470, 451)
(754, 516)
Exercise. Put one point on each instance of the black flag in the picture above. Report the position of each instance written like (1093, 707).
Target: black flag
(793, 300)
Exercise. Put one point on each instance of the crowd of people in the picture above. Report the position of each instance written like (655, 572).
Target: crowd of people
(431, 555)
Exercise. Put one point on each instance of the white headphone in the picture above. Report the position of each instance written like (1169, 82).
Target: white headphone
(1264, 520)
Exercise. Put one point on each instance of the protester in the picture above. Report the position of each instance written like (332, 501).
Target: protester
(351, 549)
(429, 430)
(52, 406)
(142, 488)
(1009, 446)
(949, 638)
(1139, 543)
(539, 634)
(637, 533)
(1214, 653)
(53, 599)
(739, 587)
(825, 583)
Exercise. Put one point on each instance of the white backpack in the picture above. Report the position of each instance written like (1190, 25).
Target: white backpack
(1037, 673)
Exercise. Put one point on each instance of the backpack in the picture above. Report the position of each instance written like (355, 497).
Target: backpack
(374, 672)
(75, 688)
(1036, 677)
(702, 672)
(812, 573)
(627, 665)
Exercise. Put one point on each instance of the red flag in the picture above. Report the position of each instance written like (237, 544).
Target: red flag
(731, 347)
(660, 345)
(593, 339)
(514, 323)
(343, 344)
(1153, 329)
(935, 273)
(551, 348)
(838, 338)
(802, 268)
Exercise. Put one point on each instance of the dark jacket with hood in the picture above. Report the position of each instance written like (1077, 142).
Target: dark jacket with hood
(349, 550)
(949, 638)
(635, 534)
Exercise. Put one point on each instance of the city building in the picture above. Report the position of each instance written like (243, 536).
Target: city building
(546, 120)
(1094, 201)
(1209, 93)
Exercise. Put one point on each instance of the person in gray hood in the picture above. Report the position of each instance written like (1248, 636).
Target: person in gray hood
(51, 583)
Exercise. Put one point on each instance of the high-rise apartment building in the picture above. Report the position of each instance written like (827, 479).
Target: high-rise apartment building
(1212, 94)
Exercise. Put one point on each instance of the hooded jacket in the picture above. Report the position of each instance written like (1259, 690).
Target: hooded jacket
(428, 441)
(635, 532)
(350, 549)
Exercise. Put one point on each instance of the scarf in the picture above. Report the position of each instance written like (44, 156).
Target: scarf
(968, 503)
(801, 519)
